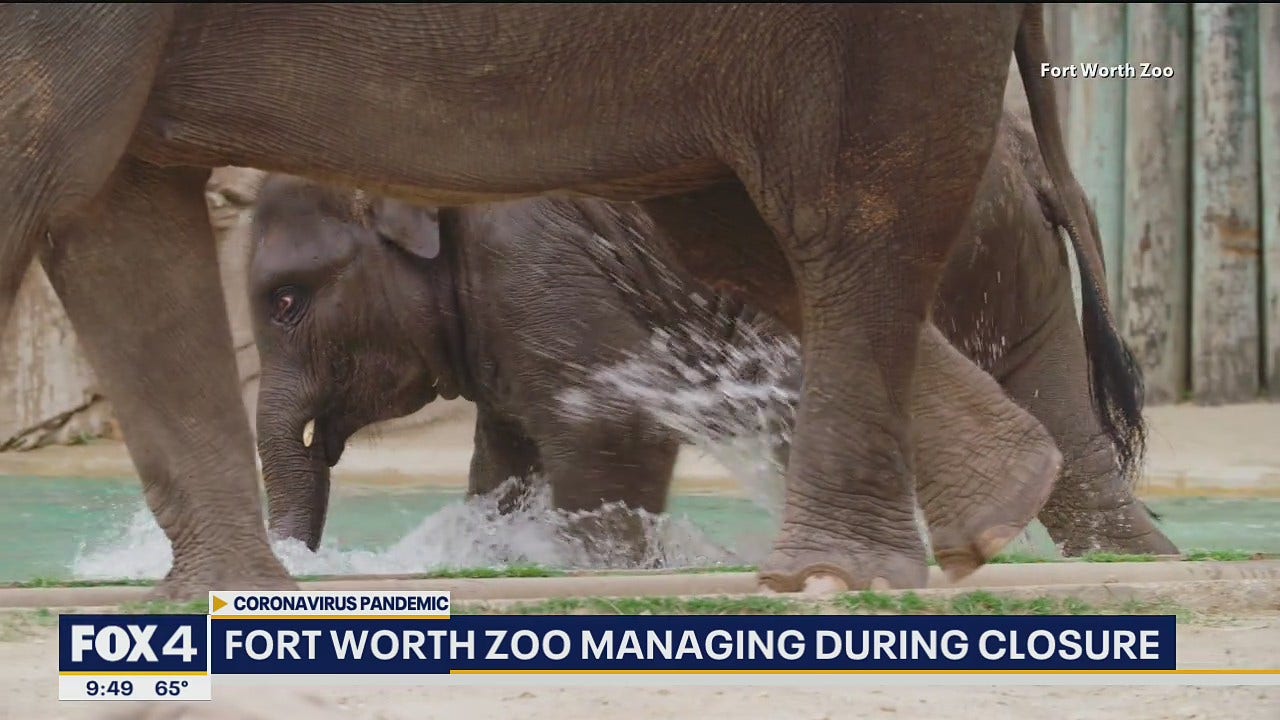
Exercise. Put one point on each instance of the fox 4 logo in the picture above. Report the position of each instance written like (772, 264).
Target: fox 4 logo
(130, 643)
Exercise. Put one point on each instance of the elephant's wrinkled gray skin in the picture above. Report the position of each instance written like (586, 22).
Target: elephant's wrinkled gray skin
(604, 277)
(858, 142)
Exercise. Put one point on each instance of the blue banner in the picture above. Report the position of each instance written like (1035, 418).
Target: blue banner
(387, 646)
(132, 643)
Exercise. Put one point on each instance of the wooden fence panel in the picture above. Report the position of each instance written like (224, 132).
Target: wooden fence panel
(1225, 328)
(1154, 254)
(1269, 147)
(1190, 216)
(1095, 122)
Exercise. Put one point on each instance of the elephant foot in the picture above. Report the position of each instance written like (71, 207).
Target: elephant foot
(613, 537)
(1126, 530)
(841, 564)
(985, 467)
(967, 531)
(195, 580)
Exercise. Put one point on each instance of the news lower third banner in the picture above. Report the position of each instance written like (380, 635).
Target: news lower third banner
(375, 637)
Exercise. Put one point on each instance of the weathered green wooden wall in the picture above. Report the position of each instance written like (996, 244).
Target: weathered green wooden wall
(1184, 175)
(1269, 140)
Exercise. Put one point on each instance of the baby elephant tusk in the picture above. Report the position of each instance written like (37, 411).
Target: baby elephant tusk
(308, 433)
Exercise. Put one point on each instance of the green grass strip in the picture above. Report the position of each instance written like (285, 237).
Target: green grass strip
(861, 603)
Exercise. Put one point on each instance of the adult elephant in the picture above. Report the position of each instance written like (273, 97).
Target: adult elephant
(859, 133)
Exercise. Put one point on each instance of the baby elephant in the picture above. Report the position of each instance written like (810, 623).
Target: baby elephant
(368, 308)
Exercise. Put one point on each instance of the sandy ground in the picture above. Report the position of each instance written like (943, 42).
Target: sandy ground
(1220, 451)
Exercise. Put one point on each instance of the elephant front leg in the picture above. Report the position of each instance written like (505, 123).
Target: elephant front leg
(503, 453)
(139, 280)
(984, 465)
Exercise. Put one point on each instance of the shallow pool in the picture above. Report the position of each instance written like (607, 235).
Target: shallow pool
(73, 528)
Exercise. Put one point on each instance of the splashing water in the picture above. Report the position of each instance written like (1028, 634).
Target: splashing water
(735, 402)
(467, 534)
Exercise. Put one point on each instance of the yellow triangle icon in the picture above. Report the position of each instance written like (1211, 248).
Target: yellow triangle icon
(218, 603)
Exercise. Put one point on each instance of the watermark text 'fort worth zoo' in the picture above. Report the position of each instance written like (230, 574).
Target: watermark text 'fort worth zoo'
(1091, 70)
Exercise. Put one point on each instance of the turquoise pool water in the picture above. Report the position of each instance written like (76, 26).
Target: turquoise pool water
(72, 528)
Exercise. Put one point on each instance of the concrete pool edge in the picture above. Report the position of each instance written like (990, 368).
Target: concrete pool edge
(1107, 577)
(1240, 596)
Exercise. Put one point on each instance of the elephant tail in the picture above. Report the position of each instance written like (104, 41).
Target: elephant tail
(1115, 377)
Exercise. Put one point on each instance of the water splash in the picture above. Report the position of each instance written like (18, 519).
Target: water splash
(466, 534)
(734, 402)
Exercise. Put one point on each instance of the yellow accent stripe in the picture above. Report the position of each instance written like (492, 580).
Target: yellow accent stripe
(330, 617)
(1216, 671)
(140, 674)
(1210, 671)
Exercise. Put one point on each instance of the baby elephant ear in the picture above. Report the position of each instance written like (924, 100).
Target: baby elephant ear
(413, 229)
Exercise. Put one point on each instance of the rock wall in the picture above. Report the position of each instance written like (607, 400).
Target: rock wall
(48, 393)
(47, 390)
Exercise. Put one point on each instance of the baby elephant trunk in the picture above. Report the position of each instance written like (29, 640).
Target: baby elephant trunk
(294, 470)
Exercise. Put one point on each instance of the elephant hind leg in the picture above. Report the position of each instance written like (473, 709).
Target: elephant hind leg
(165, 359)
(608, 478)
(16, 253)
(984, 465)
(1093, 506)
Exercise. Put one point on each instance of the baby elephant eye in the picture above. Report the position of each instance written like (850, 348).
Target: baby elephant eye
(286, 305)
